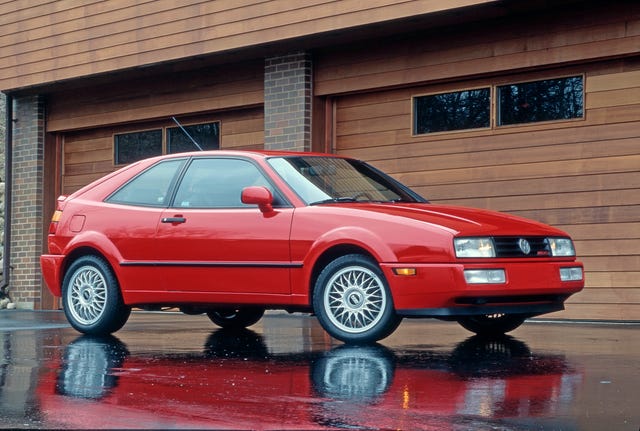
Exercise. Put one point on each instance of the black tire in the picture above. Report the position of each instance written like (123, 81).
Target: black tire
(236, 318)
(491, 324)
(352, 301)
(91, 297)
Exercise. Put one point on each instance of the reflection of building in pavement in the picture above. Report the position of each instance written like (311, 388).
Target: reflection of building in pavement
(18, 372)
(311, 335)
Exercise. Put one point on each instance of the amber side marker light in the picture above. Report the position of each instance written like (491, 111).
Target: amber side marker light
(405, 271)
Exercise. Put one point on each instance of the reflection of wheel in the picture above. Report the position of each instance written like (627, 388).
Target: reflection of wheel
(354, 373)
(235, 343)
(491, 324)
(235, 318)
(88, 367)
(491, 356)
(352, 300)
(91, 297)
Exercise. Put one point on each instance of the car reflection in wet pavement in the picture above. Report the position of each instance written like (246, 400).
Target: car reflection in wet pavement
(368, 387)
(287, 374)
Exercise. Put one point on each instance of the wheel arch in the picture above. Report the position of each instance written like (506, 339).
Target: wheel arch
(330, 255)
(79, 252)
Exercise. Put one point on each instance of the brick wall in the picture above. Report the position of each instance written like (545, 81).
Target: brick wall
(287, 102)
(27, 209)
(2, 175)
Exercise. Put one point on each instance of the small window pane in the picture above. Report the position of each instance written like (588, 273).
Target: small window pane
(206, 135)
(131, 147)
(547, 100)
(150, 188)
(459, 110)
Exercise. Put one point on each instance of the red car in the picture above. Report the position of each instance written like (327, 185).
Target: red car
(231, 234)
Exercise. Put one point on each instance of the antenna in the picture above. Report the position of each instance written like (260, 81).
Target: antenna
(187, 133)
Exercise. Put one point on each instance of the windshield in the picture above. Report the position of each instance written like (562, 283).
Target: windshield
(318, 179)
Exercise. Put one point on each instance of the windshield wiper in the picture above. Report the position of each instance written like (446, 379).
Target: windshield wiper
(333, 200)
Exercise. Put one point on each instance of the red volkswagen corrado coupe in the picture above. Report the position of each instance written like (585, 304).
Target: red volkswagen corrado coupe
(231, 234)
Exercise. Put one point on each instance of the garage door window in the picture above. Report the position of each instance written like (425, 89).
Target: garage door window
(130, 147)
(554, 99)
(546, 100)
(134, 146)
(458, 110)
(206, 135)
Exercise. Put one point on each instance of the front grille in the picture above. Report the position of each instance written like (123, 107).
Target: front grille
(507, 246)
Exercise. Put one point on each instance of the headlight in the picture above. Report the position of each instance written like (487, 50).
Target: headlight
(474, 247)
(561, 247)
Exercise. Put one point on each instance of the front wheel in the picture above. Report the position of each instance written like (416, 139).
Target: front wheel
(235, 318)
(91, 297)
(352, 300)
(491, 324)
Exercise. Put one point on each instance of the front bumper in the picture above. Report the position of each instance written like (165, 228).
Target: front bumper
(440, 290)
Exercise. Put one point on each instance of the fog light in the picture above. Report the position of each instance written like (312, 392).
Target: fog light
(484, 276)
(571, 274)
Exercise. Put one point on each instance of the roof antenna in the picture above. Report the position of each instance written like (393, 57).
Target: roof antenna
(187, 133)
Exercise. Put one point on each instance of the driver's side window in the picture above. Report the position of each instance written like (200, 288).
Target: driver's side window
(217, 183)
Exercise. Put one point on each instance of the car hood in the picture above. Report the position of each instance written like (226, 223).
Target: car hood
(461, 220)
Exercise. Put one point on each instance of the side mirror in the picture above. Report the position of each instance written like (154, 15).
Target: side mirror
(261, 196)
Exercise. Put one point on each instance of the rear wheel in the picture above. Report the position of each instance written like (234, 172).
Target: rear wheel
(235, 318)
(491, 324)
(91, 297)
(352, 300)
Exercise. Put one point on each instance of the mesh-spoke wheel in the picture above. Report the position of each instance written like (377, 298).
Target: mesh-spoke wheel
(355, 298)
(352, 300)
(91, 297)
(87, 295)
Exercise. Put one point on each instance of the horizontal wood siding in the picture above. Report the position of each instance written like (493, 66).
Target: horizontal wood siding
(582, 175)
(548, 38)
(158, 96)
(60, 40)
(89, 154)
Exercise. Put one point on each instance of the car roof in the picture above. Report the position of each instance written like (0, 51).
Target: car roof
(258, 154)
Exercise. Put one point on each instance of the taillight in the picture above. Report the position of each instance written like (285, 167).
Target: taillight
(54, 221)
(57, 214)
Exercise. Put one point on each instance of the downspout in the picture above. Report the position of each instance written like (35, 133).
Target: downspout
(6, 254)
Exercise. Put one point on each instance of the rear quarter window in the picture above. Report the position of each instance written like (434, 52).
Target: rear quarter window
(149, 188)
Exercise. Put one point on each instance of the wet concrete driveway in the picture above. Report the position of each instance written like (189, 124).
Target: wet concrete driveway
(171, 371)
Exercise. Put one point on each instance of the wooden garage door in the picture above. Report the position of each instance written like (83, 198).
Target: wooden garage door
(89, 154)
(581, 175)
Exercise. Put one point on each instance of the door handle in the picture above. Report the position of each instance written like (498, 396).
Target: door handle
(176, 219)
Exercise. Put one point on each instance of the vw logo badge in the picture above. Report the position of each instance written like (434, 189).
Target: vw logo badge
(524, 245)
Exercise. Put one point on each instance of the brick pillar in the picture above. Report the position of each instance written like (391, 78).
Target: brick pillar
(287, 102)
(27, 202)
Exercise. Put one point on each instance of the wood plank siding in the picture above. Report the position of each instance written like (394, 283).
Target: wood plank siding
(105, 67)
(159, 96)
(582, 176)
(62, 40)
(89, 154)
(519, 43)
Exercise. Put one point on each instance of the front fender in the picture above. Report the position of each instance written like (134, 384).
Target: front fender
(351, 235)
